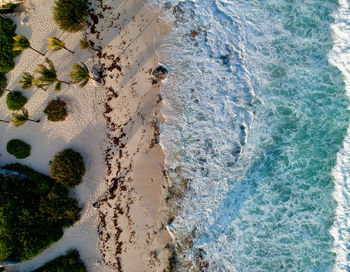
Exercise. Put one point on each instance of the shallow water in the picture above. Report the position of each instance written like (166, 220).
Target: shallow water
(255, 117)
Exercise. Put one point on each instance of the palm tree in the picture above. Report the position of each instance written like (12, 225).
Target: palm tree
(27, 81)
(84, 44)
(48, 76)
(22, 43)
(20, 118)
(80, 75)
(56, 44)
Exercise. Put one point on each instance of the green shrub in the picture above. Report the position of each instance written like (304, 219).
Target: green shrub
(7, 31)
(43, 183)
(15, 100)
(70, 262)
(18, 148)
(3, 83)
(68, 168)
(70, 15)
(33, 211)
(56, 110)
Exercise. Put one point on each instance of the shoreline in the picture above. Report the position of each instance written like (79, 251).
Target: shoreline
(131, 213)
(339, 57)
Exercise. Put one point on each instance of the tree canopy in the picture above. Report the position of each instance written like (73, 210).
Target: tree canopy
(18, 148)
(33, 210)
(68, 168)
(7, 31)
(70, 15)
(56, 110)
(15, 100)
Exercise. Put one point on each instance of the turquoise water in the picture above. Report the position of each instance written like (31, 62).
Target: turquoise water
(256, 115)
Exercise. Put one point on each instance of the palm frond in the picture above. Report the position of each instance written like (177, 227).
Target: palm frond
(50, 63)
(47, 75)
(21, 43)
(55, 44)
(20, 118)
(58, 86)
(27, 81)
(80, 75)
(83, 44)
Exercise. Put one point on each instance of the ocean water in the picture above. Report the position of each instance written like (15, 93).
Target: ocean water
(256, 133)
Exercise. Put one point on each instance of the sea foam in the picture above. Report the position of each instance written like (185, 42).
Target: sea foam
(255, 117)
(340, 57)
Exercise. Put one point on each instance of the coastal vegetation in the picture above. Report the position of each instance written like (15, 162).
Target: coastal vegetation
(48, 76)
(68, 168)
(19, 118)
(33, 210)
(7, 31)
(15, 100)
(27, 81)
(18, 148)
(84, 44)
(69, 262)
(8, 8)
(70, 15)
(22, 43)
(34, 207)
(80, 75)
(3, 83)
(55, 44)
(56, 110)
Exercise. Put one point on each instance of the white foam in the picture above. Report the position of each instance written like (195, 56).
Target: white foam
(340, 57)
(228, 203)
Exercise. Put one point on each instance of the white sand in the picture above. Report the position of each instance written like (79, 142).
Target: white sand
(131, 217)
(132, 211)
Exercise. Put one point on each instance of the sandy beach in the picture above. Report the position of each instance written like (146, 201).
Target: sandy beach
(131, 225)
(115, 125)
